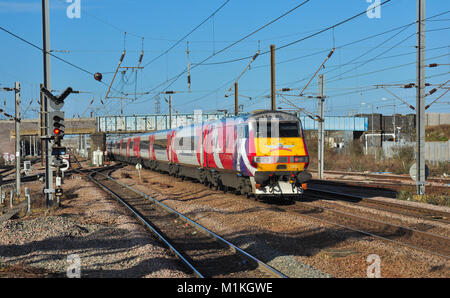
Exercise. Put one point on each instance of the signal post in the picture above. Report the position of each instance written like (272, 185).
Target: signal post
(56, 131)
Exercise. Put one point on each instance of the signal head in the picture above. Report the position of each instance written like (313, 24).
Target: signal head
(57, 122)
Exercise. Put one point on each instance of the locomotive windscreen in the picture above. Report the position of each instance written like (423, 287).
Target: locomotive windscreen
(288, 129)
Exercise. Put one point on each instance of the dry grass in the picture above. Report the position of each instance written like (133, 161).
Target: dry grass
(435, 198)
(439, 133)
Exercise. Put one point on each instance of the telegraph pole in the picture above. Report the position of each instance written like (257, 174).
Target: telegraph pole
(47, 85)
(420, 99)
(321, 144)
(17, 127)
(272, 78)
(236, 99)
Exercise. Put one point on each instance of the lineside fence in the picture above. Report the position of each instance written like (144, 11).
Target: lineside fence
(435, 152)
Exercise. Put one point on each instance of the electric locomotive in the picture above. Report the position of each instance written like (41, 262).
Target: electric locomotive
(263, 153)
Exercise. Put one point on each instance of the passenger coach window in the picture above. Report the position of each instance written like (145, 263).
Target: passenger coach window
(243, 131)
(144, 145)
(193, 142)
(160, 145)
(186, 143)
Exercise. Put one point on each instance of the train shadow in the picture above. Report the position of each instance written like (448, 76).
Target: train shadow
(367, 191)
(277, 200)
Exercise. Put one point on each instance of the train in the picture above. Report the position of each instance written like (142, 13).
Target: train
(263, 153)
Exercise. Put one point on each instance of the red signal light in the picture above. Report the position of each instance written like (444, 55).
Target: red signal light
(56, 131)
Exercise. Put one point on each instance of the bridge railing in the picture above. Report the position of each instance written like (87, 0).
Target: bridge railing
(152, 122)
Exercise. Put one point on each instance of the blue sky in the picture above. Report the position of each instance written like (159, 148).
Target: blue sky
(95, 42)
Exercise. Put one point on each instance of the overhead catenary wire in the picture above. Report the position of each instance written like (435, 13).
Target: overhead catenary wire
(175, 78)
(320, 67)
(323, 51)
(335, 79)
(48, 52)
(309, 114)
(377, 56)
(185, 36)
(364, 89)
(207, 63)
(369, 88)
(333, 67)
(89, 105)
(29, 105)
(245, 69)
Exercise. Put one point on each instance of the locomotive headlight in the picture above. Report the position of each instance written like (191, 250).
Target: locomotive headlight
(263, 159)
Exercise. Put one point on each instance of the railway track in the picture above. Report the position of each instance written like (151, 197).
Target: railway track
(408, 210)
(428, 242)
(405, 236)
(388, 177)
(386, 183)
(12, 168)
(386, 187)
(202, 251)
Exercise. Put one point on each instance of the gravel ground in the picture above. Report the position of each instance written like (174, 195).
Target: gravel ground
(294, 244)
(108, 241)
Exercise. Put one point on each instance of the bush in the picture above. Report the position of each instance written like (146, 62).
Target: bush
(403, 159)
(439, 169)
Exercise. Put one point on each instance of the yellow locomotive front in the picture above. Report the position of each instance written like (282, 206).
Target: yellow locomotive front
(280, 154)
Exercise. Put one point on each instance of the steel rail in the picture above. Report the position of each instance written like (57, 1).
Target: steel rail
(147, 224)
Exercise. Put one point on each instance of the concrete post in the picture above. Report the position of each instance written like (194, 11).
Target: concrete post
(321, 126)
(27, 195)
(420, 99)
(17, 126)
(272, 78)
